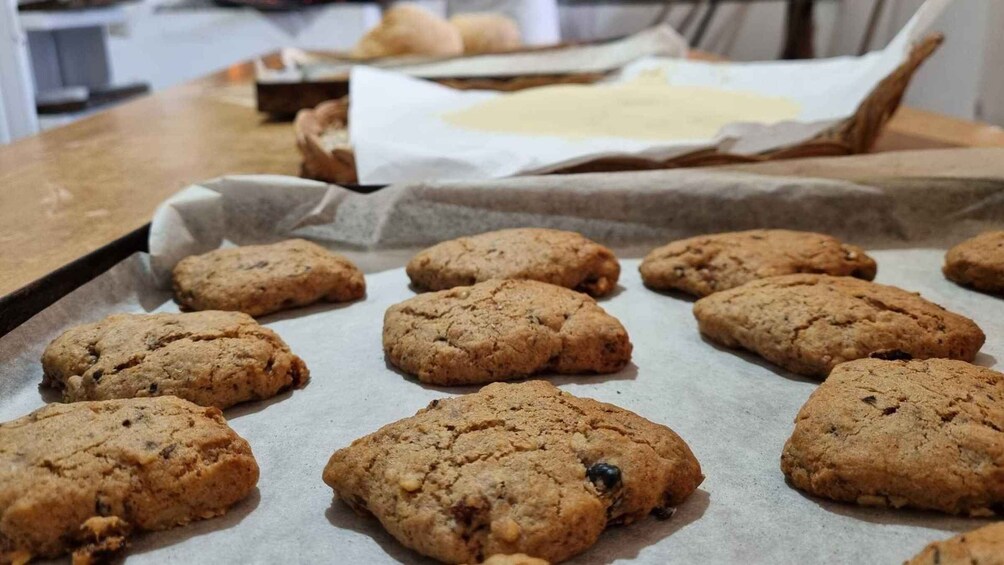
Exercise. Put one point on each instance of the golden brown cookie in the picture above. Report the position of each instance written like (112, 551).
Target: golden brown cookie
(710, 263)
(500, 330)
(978, 262)
(983, 546)
(810, 323)
(210, 358)
(924, 434)
(261, 279)
(487, 32)
(562, 258)
(514, 559)
(515, 468)
(80, 477)
(409, 29)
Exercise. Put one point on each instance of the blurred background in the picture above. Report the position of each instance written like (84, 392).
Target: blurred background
(55, 53)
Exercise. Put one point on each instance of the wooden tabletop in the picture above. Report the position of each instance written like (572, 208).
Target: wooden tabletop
(67, 192)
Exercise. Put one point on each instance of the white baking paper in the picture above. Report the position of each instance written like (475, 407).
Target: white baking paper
(733, 409)
(660, 40)
(398, 134)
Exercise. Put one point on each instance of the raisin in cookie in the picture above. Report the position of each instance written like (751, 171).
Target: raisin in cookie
(809, 323)
(563, 258)
(80, 477)
(502, 329)
(515, 468)
(710, 263)
(261, 279)
(983, 546)
(210, 358)
(926, 434)
(978, 262)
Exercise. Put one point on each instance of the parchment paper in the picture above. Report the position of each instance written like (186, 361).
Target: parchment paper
(734, 410)
(660, 40)
(400, 138)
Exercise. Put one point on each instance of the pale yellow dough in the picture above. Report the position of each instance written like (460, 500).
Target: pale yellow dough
(645, 108)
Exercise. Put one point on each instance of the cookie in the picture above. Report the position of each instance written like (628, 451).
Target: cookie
(983, 546)
(710, 263)
(514, 559)
(502, 329)
(925, 434)
(562, 258)
(978, 262)
(810, 323)
(210, 358)
(514, 468)
(80, 477)
(261, 279)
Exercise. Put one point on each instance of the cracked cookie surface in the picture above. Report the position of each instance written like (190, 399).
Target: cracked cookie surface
(982, 546)
(706, 264)
(925, 434)
(80, 477)
(562, 258)
(515, 468)
(810, 323)
(261, 279)
(210, 358)
(501, 330)
(978, 262)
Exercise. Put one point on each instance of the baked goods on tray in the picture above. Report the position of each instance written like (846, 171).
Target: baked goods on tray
(982, 546)
(513, 468)
(709, 263)
(262, 279)
(501, 330)
(808, 324)
(978, 262)
(82, 477)
(211, 358)
(558, 257)
(925, 434)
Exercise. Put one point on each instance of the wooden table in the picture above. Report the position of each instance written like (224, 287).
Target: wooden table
(71, 191)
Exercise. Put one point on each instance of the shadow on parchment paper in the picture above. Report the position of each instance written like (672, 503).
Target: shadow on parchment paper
(254, 406)
(628, 373)
(674, 294)
(49, 394)
(309, 310)
(626, 542)
(341, 516)
(900, 516)
(617, 542)
(613, 293)
(151, 541)
(755, 359)
(985, 360)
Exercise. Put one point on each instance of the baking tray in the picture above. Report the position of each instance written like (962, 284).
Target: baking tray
(732, 408)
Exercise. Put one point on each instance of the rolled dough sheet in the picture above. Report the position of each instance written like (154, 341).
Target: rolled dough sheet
(646, 108)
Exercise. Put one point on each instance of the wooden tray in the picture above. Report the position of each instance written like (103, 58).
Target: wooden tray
(322, 132)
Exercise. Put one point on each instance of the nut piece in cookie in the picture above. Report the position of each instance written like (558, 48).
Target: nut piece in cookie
(80, 477)
(978, 262)
(810, 323)
(514, 468)
(562, 258)
(261, 279)
(924, 434)
(983, 546)
(502, 329)
(710, 263)
(210, 358)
